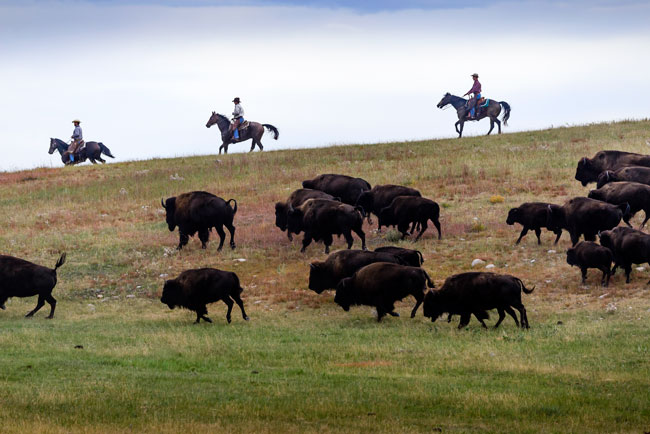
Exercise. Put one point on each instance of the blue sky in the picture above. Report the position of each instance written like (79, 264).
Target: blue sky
(144, 76)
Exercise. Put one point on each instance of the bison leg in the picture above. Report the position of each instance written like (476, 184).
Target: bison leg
(229, 303)
(522, 314)
(449, 317)
(349, 239)
(628, 270)
(538, 233)
(204, 236)
(604, 281)
(478, 317)
(289, 235)
(240, 303)
(362, 236)
(231, 229)
(183, 239)
(305, 241)
(523, 233)
(39, 304)
(558, 235)
(423, 227)
(222, 236)
(393, 313)
(52, 302)
(574, 238)
(502, 315)
(464, 320)
(512, 313)
(403, 229)
(583, 270)
(436, 223)
(415, 308)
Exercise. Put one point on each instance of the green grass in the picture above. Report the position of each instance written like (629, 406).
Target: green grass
(302, 364)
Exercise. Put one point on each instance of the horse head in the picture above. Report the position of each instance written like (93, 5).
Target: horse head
(219, 119)
(52, 146)
(446, 99)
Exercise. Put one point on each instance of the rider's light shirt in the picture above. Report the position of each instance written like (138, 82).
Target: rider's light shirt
(239, 111)
(77, 134)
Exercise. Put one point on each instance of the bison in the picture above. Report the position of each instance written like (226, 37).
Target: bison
(533, 216)
(587, 254)
(635, 194)
(194, 289)
(347, 188)
(405, 210)
(20, 278)
(296, 199)
(380, 196)
(475, 293)
(629, 247)
(200, 211)
(381, 285)
(630, 174)
(582, 215)
(408, 256)
(319, 219)
(344, 263)
(589, 169)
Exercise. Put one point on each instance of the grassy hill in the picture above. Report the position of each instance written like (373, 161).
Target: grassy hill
(302, 364)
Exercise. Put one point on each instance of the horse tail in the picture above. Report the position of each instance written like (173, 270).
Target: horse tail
(506, 113)
(234, 211)
(274, 130)
(105, 150)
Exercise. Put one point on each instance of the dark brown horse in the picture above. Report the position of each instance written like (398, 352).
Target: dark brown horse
(91, 151)
(253, 131)
(492, 110)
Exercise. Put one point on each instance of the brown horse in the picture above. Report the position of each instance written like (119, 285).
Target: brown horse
(491, 111)
(253, 131)
(91, 151)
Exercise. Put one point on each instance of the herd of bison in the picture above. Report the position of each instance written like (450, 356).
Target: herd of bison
(331, 205)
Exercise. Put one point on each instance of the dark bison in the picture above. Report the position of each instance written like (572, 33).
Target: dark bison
(20, 278)
(344, 263)
(380, 196)
(587, 254)
(200, 211)
(589, 169)
(405, 210)
(635, 194)
(630, 174)
(629, 247)
(475, 293)
(296, 199)
(584, 216)
(347, 188)
(408, 256)
(381, 285)
(319, 219)
(194, 289)
(533, 216)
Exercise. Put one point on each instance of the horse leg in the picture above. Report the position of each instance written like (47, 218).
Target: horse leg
(460, 133)
(498, 124)
(259, 140)
(252, 144)
(92, 160)
(491, 125)
(456, 126)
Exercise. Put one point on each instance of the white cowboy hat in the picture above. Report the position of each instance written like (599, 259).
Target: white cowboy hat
(76, 121)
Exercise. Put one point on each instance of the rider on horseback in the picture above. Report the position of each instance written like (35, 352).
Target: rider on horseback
(77, 139)
(238, 119)
(472, 103)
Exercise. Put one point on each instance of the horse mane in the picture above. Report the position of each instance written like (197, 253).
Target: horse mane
(223, 117)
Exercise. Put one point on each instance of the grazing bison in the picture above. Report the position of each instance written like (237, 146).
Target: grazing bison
(200, 211)
(380, 196)
(635, 194)
(381, 285)
(347, 188)
(405, 210)
(408, 256)
(630, 174)
(475, 293)
(587, 254)
(296, 199)
(582, 215)
(20, 278)
(589, 169)
(194, 289)
(533, 216)
(319, 219)
(344, 263)
(629, 247)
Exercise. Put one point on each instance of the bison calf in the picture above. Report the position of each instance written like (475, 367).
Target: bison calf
(20, 278)
(296, 199)
(405, 210)
(587, 254)
(475, 293)
(381, 285)
(533, 216)
(194, 289)
(629, 246)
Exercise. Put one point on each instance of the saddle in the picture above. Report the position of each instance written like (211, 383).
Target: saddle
(482, 102)
(244, 125)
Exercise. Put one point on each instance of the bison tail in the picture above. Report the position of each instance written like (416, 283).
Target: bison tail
(625, 209)
(274, 130)
(430, 284)
(523, 287)
(421, 257)
(234, 210)
(60, 262)
(506, 112)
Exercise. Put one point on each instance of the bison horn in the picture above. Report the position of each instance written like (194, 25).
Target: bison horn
(162, 202)
(584, 160)
(607, 174)
(598, 234)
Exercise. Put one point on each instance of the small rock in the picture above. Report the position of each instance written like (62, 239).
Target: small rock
(532, 261)
(489, 266)
(604, 295)
(550, 252)
(162, 276)
(130, 296)
(548, 281)
(175, 177)
(123, 191)
(477, 261)
(91, 307)
(100, 296)
(240, 260)
(611, 308)
(640, 268)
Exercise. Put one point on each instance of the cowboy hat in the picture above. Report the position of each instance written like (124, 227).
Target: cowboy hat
(475, 75)
(236, 99)
(76, 121)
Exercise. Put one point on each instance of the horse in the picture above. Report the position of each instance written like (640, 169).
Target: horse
(492, 111)
(91, 151)
(254, 131)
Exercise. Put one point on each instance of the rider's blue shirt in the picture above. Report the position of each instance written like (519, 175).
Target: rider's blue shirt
(77, 134)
